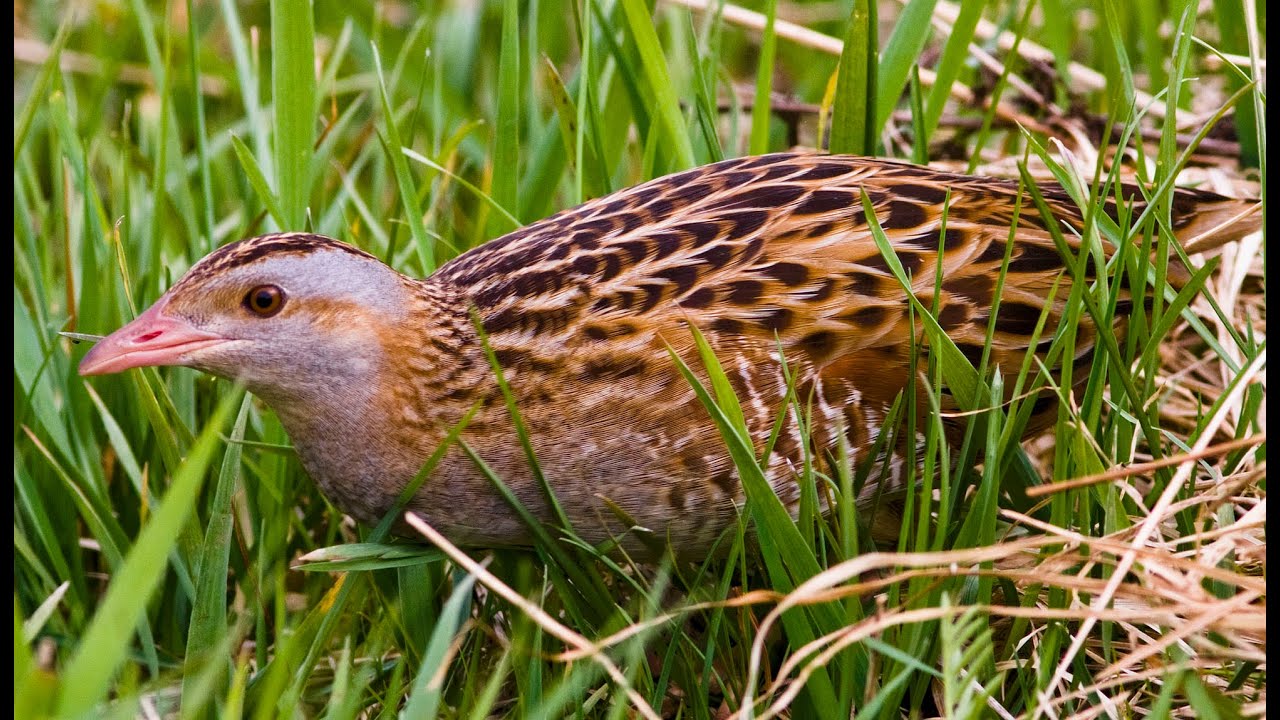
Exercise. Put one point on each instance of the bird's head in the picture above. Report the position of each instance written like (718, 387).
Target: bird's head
(286, 314)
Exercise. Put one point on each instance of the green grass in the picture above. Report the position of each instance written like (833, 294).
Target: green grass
(171, 556)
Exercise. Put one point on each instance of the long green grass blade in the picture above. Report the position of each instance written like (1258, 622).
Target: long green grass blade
(901, 53)
(209, 616)
(87, 677)
(506, 143)
(762, 107)
(424, 698)
(293, 91)
(404, 182)
(954, 53)
(658, 80)
(259, 181)
(853, 127)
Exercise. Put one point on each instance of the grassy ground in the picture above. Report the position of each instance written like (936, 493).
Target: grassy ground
(171, 558)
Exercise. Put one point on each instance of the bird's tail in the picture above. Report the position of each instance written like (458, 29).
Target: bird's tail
(1204, 221)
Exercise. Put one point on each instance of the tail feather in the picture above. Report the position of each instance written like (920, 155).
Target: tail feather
(1204, 221)
(1201, 220)
(1212, 223)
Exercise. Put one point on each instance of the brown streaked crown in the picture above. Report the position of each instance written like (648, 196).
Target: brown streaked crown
(244, 252)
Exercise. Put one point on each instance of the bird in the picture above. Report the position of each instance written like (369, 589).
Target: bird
(771, 259)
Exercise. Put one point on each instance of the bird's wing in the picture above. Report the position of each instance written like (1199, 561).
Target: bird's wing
(772, 245)
(777, 250)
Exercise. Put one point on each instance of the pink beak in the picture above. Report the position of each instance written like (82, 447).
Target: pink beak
(153, 338)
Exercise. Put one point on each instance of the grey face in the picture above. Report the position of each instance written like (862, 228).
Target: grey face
(287, 323)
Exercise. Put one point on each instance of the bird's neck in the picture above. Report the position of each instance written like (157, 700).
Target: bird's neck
(365, 432)
(341, 440)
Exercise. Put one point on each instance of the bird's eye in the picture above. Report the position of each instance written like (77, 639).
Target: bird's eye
(264, 300)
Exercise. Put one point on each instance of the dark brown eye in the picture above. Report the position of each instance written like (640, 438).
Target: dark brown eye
(264, 300)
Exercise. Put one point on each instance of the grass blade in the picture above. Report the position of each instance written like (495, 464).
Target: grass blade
(87, 677)
(761, 108)
(666, 104)
(293, 90)
(40, 90)
(506, 138)
(954, 54)
(404, 183)
(424, 698)
(901, 52)
(853, 113)
(209, 616)
(259, 181)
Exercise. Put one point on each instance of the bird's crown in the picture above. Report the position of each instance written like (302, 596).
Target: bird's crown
(250, 250)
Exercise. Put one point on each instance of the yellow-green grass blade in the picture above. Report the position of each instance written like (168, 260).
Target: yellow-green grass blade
(87, 677)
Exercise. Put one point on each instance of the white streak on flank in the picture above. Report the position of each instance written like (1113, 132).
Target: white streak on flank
(754, 397)
(830, 414)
